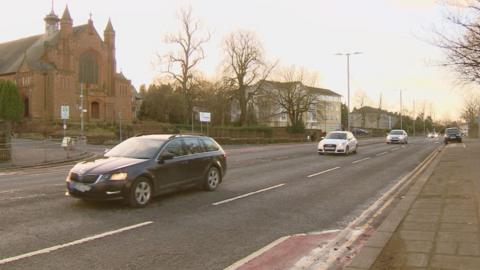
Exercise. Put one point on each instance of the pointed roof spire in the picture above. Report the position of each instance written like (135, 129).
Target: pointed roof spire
(66, 14)
(52, 11)
(109, 27)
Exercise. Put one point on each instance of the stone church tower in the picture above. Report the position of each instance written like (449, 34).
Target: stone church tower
(52, 70)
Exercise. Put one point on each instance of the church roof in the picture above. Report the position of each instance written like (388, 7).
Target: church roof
(31, 50)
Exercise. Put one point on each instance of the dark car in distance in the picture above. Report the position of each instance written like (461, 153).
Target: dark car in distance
(359, 132)
(142, 167)
(452, 134)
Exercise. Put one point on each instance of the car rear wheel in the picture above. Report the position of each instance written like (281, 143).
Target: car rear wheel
(212, 179)
(140, 193)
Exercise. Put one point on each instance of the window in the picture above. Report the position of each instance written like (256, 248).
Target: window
(210, 145)
(88, 68)
(175, 148)
(193, 146)
(95, 110)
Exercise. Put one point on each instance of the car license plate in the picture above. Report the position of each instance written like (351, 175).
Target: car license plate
(329, 148)
(452, 137)
(81, 187)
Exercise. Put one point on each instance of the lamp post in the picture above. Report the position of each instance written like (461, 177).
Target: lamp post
(348, 54)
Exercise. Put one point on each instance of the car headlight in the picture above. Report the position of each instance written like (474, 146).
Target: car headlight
(118, 176)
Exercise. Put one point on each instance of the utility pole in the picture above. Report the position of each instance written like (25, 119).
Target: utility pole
(401, 109)
(348, 83)
(414, 118)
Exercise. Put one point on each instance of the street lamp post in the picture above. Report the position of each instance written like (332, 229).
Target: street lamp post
(348, 83)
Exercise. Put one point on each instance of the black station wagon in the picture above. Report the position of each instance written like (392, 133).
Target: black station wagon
(141, 167)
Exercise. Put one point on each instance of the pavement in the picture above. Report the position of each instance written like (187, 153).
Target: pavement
(32, 153)
(436, 225)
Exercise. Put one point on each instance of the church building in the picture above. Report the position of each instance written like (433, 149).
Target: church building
(55, 68)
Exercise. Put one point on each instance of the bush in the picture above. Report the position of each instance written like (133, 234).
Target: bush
(297, 128)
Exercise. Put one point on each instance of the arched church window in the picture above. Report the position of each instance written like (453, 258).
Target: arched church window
(95, 109)
(88, 68)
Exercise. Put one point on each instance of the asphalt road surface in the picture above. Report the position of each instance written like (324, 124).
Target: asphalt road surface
(269, 192)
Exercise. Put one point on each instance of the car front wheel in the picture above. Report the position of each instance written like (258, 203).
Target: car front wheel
(140, 193)
(212, 179)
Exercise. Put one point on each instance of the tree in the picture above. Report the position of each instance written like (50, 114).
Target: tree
(11, 110)
(11, 105)
(344, 114)
(215, 98)
(295, 98)
(470, 112)
(361, 99)
(162, 103)
(244, 66)
(182, 64)
(463, 50)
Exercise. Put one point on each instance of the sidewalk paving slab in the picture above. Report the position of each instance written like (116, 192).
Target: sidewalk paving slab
(440, 226)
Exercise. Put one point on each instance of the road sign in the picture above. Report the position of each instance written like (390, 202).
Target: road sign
(65, 112)
(205, 117)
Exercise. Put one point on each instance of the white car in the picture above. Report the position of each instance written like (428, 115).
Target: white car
(338, 142)
(397, 136)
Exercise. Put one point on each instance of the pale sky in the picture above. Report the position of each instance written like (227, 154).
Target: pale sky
(392, 35)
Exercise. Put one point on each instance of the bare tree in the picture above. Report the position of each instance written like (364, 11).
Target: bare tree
(471, 111)
(181, 65)
(296, 98)
(462, 47)
(361, 100)
(244, 66)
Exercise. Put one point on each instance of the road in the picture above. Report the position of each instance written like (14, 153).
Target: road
(269, 192)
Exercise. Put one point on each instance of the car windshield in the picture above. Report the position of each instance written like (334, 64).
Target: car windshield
(396, 132)
(337, 136)
(452, 130)
(141, 148)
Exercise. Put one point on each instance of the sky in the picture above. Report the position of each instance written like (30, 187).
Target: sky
(394, 37)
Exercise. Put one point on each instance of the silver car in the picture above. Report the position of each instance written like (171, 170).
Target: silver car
(397, 136)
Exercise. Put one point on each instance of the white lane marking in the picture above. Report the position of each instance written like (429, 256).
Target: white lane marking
(437, 142)
(57, 185)
(257, 253)
(73, 243)
(322, 172)
(9, 191)
(381, 154)
(268, 247)
(403, 146)
(464, 146)
(247, 194)
(361, 160)
(24, 197)
(394, 149)
(8, 173)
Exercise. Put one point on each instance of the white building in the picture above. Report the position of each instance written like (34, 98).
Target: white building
(324, 113)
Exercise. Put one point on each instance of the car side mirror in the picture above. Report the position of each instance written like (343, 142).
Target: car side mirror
(165, 156)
